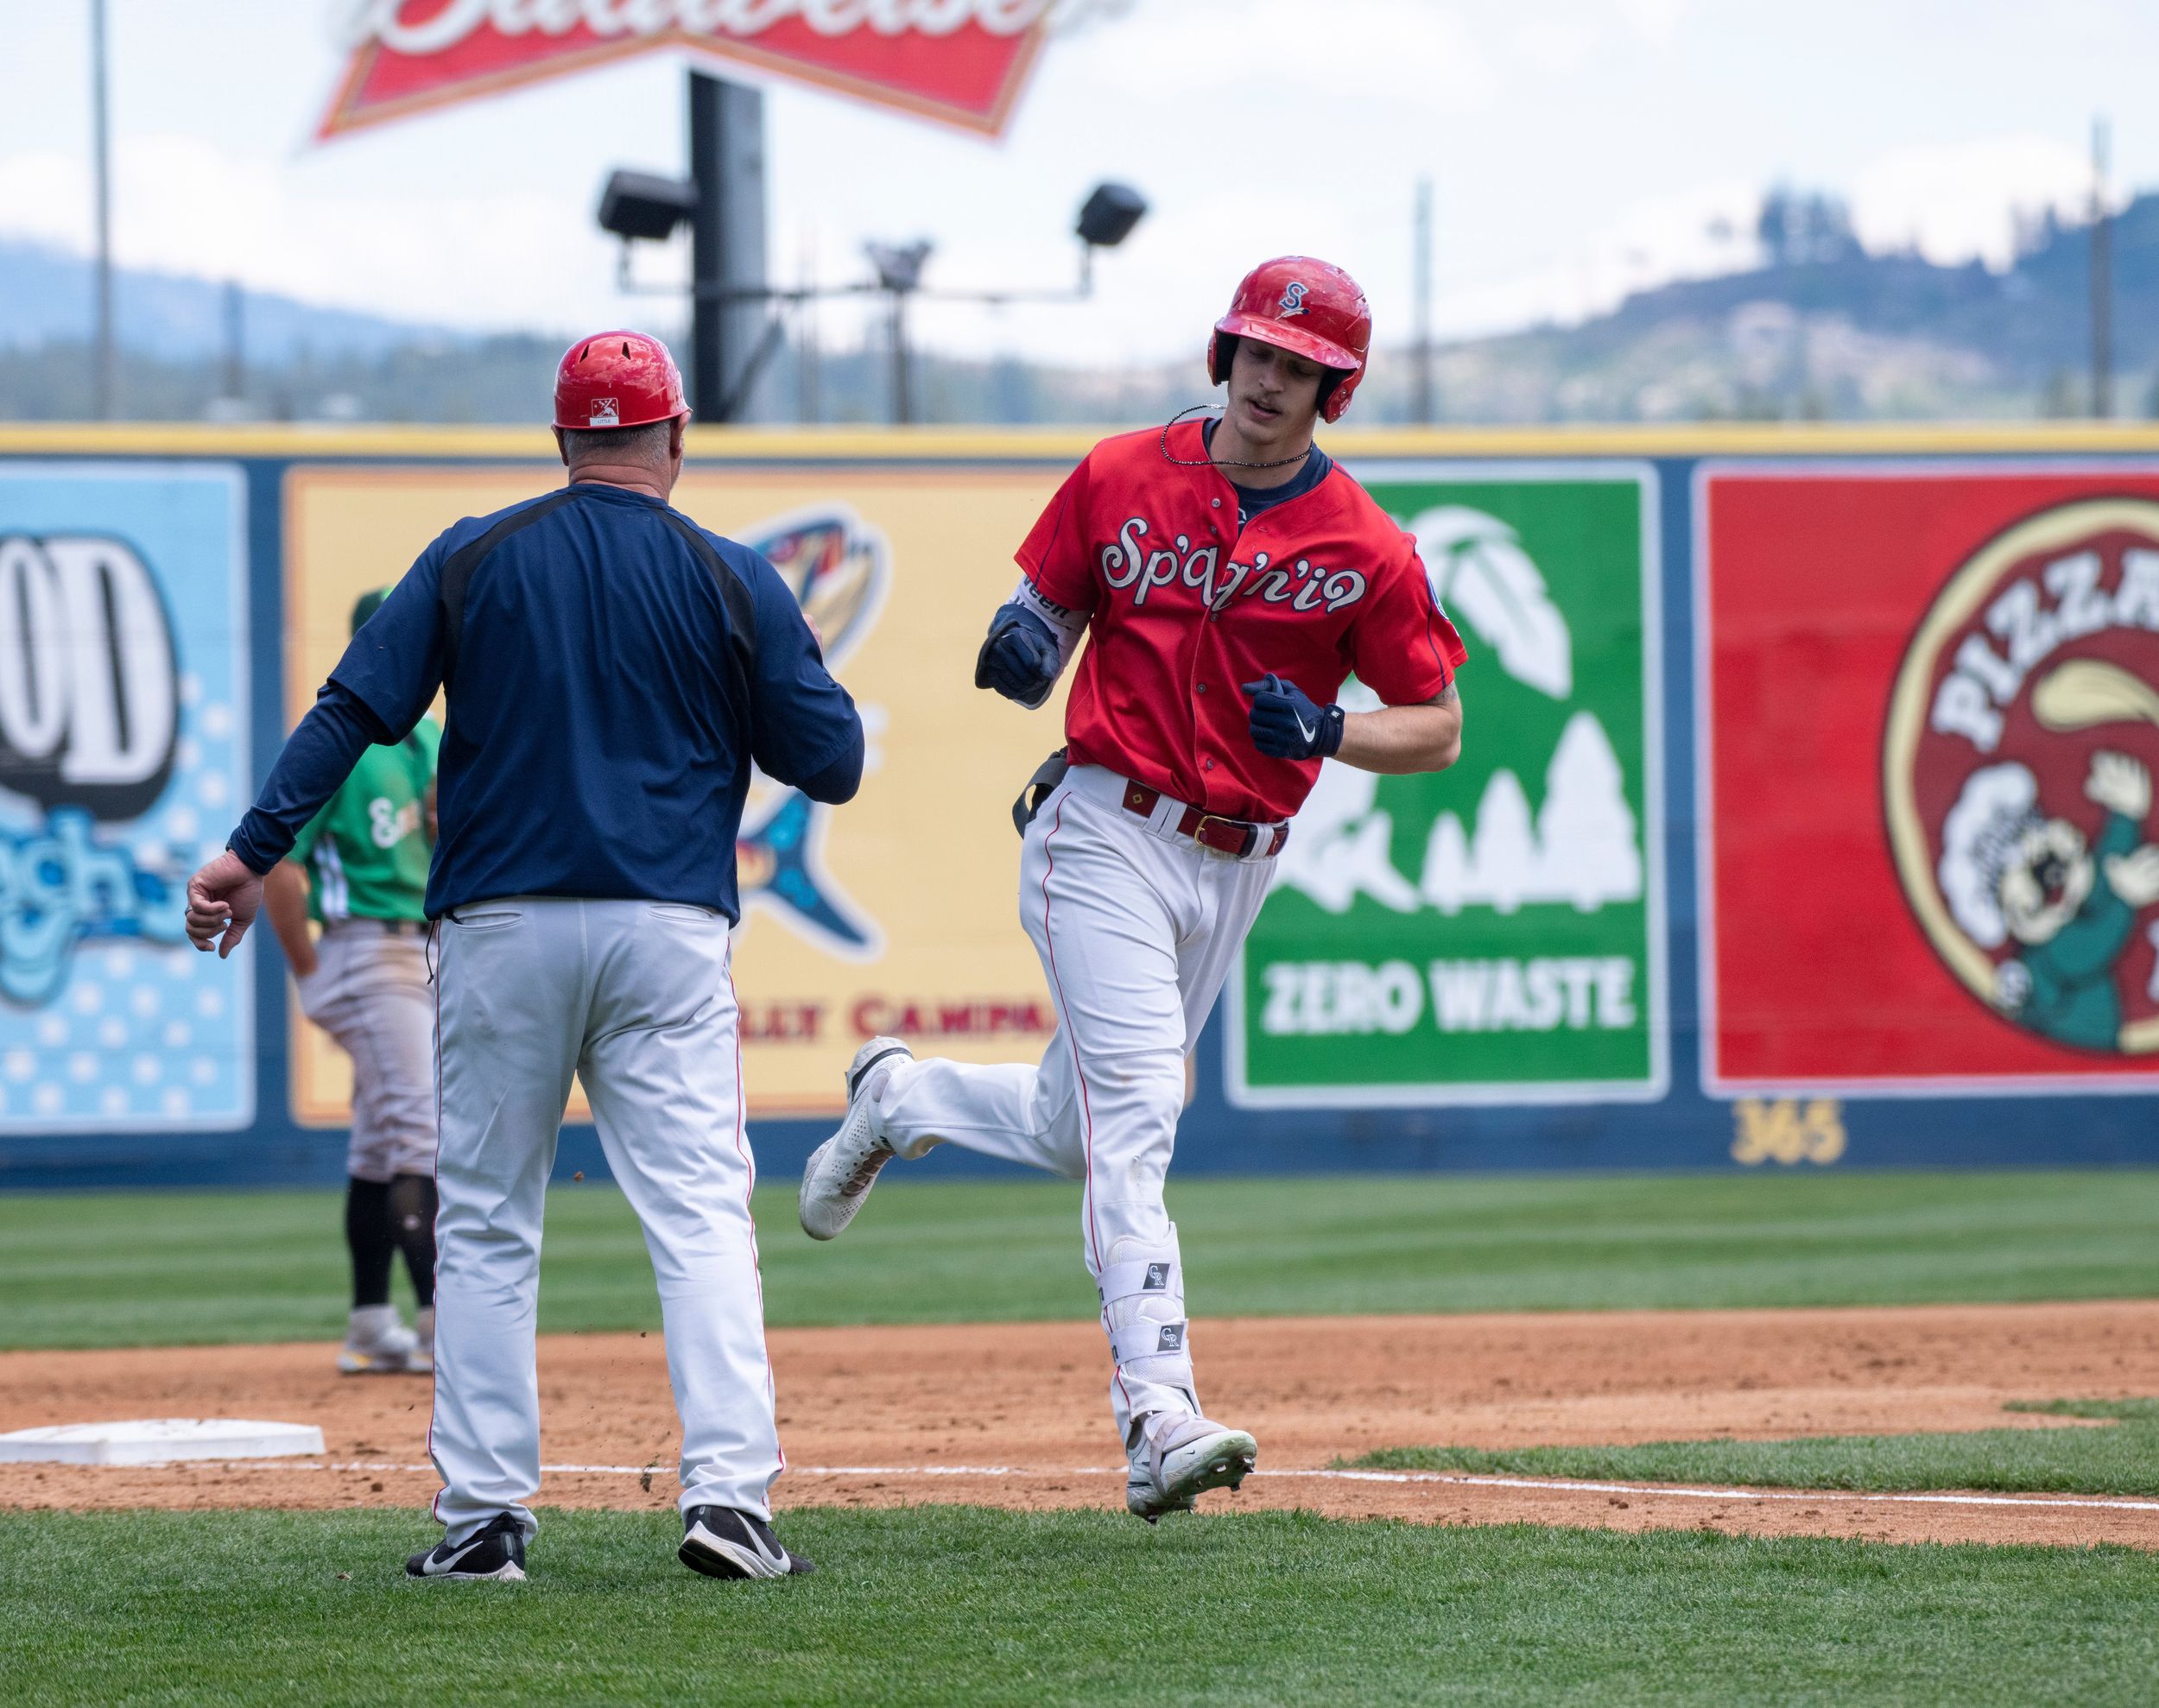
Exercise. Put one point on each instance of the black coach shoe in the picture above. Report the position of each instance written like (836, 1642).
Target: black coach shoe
(497, 1551)
(722, 1542)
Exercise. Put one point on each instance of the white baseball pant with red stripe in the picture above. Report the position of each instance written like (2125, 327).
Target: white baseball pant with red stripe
(636, 998)
(1137, 927)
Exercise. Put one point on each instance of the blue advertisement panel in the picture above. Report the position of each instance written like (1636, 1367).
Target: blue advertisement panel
(123, 753)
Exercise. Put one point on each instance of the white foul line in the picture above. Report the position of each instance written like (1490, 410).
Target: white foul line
(1457, 1478)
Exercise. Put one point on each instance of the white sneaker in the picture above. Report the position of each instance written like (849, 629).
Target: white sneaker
(1173, 1460)
(841, 1170)
(376, 1342)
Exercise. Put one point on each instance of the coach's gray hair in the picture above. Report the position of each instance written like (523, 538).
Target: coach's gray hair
(646, 444)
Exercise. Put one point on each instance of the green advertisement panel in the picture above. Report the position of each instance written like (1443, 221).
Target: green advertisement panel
(1493, 934)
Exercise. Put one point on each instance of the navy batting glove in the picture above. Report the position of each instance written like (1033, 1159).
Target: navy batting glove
(1021, 657)
(1288, 724)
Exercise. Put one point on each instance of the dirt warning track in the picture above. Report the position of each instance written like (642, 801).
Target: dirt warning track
(1014, 1415)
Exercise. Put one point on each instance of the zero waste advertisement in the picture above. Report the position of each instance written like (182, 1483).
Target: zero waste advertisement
(1492, 933)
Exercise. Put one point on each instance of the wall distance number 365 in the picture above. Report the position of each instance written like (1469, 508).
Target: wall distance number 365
(1787, 1130)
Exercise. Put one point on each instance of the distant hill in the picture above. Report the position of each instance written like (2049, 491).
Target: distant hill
(1825, 329)
(1840, 333)
(45, 298)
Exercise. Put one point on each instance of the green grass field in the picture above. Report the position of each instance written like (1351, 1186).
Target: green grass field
(2121, 1458)
(959, 1605)
(141, 1269)
(953, 1605)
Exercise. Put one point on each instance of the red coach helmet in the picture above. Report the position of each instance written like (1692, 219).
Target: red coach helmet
(616, 380)
(1299, 304)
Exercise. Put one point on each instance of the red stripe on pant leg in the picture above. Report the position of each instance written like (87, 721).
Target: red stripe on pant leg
(434, 1368)
(750, 1183)
(1086, 1108)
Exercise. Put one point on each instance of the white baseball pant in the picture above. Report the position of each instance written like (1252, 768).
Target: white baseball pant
(1137, 927)
(369, 991)
(636, 998)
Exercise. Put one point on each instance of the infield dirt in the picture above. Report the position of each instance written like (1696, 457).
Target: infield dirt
(890, 1416)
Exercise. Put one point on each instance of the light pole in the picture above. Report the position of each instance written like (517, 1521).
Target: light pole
(1421, 396)
(101, 171)
(726, 240)
(899, 269)
(2102, 280)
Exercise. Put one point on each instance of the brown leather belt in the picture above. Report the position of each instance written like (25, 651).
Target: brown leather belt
(1210, 830)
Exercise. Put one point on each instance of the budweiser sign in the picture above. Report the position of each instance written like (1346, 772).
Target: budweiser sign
(962, 61)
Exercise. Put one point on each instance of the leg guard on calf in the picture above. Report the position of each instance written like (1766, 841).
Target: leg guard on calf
(368, 1236)
(1142, 1291)
(412, 1208)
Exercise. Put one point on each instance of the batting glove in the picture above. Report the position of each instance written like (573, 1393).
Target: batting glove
(1288, 724)
(1020, 659)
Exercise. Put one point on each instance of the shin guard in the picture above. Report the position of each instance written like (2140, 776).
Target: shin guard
(1143, 1292)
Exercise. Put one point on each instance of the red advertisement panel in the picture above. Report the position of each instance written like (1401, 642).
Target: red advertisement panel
(1929, 733)
(962, 61)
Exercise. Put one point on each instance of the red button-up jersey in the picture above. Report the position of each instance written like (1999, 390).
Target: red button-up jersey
(1182, 608)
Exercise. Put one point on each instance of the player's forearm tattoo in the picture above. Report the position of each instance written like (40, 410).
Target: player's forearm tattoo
(1447, 696)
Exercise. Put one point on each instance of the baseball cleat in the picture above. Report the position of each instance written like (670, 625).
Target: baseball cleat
(1174, 1460)
(721, 1542)
(841, 1170)
(377, 1343)
(424, 1332)
(496, 1553)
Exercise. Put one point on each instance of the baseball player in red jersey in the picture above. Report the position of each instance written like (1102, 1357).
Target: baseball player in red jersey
(1226, 578)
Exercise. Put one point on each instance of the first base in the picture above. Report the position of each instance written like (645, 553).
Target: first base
(159, 1441)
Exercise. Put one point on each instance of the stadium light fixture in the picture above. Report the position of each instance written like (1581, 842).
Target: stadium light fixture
(645, 206)
(1107, 216)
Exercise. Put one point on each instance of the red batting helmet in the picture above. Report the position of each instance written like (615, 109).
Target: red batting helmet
(1308, 307)
(616, 380)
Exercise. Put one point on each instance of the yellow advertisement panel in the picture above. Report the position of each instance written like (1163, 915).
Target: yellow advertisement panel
(894, 912)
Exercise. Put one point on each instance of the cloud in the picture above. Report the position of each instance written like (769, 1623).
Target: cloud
(1954, 201)
(1556, 46)
(1656, 20)
(180, 205)
(1695, 233)
(1279, 49)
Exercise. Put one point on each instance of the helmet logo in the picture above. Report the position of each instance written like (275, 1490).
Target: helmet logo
(606, 412)
(1292, 300)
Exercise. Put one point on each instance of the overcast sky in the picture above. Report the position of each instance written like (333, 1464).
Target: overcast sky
(1578, 148)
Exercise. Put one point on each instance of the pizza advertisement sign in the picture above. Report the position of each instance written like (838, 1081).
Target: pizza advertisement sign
(1493, 934)
(1926, 763)
(963, 62)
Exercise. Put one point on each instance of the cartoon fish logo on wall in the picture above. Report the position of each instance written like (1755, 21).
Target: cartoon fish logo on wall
(840, 570)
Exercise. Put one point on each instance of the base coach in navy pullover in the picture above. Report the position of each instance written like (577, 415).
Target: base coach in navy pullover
(612, 673)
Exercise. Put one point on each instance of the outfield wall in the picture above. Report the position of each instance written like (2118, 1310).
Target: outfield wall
(1802, 818)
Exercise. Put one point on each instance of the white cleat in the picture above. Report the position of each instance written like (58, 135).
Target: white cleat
(377, 1343)
(841, 1170)
(1174, 1460)
(424, 1332)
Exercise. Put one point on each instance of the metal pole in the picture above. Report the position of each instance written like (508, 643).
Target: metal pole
(726, 236)
(808, 356)
(102, 375)
(235, 341)
(708, 375)
(2102, 280)
(1421, 400)
(902, 391)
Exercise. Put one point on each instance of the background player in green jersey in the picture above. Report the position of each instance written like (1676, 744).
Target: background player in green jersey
(360, 870)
